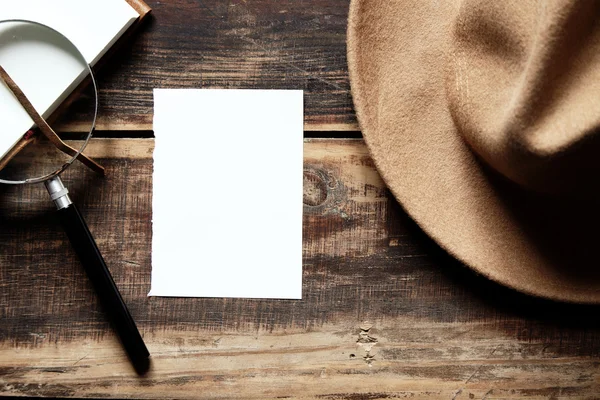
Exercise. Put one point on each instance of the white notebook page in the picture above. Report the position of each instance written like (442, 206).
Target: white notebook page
(92, 26)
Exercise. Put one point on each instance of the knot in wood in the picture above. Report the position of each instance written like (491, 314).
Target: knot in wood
(315, 189)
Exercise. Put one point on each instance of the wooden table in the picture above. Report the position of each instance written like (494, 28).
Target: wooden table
(385, 313)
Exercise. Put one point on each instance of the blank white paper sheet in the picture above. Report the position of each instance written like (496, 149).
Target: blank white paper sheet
(227, 197)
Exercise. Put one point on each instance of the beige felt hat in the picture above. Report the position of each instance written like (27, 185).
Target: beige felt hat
(483, 117)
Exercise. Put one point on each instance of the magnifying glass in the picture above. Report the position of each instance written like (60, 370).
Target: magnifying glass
(44, 76)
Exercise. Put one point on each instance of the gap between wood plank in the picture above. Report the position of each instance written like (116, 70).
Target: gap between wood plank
(149, 134)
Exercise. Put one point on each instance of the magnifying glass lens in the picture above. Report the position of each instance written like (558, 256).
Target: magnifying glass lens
(47, 102)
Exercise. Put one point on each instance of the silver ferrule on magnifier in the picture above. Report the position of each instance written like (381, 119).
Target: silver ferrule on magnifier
(58, 193)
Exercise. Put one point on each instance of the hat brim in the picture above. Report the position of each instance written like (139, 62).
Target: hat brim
(398, 56)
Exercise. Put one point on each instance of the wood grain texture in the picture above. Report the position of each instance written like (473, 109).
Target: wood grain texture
(265, 44)
(385, 313)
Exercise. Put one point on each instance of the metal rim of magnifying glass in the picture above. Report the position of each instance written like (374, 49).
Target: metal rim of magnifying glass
(93, 127)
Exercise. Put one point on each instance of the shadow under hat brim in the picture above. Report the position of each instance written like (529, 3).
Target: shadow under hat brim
(399, 58)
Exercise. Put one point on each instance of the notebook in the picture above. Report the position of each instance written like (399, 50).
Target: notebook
(94, 30)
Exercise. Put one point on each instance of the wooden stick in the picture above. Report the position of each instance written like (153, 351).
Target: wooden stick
(44, 127)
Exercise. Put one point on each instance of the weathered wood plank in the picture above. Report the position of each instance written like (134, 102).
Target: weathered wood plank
(385, 313)
(263, 44)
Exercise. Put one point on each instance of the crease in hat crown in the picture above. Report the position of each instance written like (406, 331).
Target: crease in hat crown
(523, 88)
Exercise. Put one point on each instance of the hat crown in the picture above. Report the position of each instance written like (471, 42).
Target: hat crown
(524, 88)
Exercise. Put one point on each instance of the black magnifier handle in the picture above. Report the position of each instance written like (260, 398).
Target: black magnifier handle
(85, 246)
